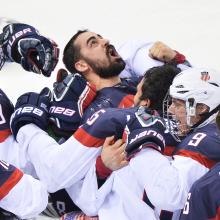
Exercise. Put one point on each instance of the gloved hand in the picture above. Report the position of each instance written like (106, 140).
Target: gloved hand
(146, 130)
(71, 95)
(33, 108)
(23, 44)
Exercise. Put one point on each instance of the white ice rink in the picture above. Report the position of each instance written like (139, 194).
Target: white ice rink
(190, 26)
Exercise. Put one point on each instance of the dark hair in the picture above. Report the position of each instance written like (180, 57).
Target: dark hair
(71, 53)
(157, 81)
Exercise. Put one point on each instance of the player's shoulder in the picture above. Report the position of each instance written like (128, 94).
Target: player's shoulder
(110, 97)
(203, 136)
(204, 141)
(208, 185)
(107, 122)
(10, 176)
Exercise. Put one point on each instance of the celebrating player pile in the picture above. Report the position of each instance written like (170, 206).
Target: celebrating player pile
(124, 136)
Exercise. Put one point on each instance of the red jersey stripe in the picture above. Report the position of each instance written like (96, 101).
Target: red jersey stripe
(198, 157)
(4, 134)
(168, 150)
(87, 140)
(127, 101)
(10, 183)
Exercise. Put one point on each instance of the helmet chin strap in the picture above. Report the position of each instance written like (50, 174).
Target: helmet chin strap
(190, 110)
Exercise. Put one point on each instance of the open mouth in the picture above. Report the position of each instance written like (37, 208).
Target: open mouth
(110, 50)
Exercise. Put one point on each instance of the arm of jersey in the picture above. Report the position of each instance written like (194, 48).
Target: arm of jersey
(86, 194)
(135, 54)
(166, 184)
(21, 194)
(58, 166)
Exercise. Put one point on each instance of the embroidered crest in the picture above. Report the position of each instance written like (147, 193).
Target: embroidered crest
(205, 76)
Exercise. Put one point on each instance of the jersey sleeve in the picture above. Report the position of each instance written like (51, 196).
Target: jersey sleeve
(6, 110)
(102, 124)
(167, 183)
(135, 53)
(57, 166)
(60, 166)
(203, 200)
(10, 176)
(19, 193)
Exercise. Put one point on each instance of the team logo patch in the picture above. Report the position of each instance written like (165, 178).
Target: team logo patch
(205, 76)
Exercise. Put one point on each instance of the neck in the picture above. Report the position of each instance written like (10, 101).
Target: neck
(101, 83)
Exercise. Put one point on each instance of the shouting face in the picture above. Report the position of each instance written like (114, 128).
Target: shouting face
(99, 55)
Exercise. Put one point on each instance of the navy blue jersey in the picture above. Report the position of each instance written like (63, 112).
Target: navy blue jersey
(203, 200)
(94, 131)
(102, 124)
(112, 122)
(6, 110)
(118, 96)
(9, 177)
(202, 145)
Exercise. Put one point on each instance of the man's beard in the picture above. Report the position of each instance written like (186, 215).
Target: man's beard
(114, 69)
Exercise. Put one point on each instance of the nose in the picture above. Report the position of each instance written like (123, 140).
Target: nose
(104, 41)
(171, 109)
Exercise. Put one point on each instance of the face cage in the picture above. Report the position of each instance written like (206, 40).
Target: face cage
(171, 123)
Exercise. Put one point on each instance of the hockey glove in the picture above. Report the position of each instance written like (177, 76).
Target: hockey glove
(6, 110)
(71, 95)
(31, 108)
(146, 130)
(23, 44)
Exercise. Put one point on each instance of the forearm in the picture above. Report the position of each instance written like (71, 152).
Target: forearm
(59, 166)
(27, 199)
(86, 193)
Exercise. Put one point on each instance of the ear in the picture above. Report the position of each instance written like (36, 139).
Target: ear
(81, 66)
(202, 108)
(145, 102)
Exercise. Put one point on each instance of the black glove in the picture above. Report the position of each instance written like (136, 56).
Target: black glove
(71, 95)
(23, 44)
(6, 110)
(146, 130)
(33, 108)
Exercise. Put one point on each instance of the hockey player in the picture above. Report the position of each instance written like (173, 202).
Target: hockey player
(15, 186)
(98, 61)
(21, 43)
(120, 95)
(194, 103)
(71, 167)
(203, 200)
(150, 92)
(71, 95)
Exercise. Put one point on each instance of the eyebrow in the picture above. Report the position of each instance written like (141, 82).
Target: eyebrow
(92, 38)
(89, 39)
